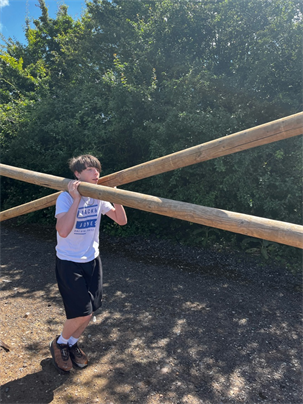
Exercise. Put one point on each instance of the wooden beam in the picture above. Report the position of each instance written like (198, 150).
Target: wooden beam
(29, 207)
(272, 230)
(260, 135)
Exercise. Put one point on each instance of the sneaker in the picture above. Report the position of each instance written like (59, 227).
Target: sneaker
(60, 354)
(77, 356)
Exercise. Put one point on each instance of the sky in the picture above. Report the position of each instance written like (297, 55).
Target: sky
(13, 14)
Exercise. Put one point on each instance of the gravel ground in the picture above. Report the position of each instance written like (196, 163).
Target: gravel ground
(178, 325)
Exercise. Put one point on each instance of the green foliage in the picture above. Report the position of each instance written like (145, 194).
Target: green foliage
(136, 80)
(264, 247)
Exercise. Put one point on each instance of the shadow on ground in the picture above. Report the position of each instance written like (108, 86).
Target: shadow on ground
(165, 334)
(37, 387)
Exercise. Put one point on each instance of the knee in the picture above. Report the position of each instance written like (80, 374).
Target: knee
(84, 319)
(87, 318)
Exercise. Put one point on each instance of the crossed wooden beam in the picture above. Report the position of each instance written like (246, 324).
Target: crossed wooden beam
(272, 230)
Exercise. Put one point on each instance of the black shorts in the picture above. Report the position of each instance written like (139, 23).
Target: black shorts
(80, 285)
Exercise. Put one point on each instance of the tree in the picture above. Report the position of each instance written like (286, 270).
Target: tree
(136, 80)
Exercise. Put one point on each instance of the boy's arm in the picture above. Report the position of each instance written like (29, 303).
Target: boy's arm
(66, 220)
(118, 214)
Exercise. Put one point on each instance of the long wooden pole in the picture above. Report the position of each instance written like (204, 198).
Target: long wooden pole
(280, 232)
(29, 207)
(260, 135)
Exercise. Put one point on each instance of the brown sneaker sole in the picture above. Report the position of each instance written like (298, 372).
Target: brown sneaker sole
(73, 358)
(78, 365)
(63, 372)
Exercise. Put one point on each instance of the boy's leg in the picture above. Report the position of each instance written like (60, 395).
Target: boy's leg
(74, 327)
(85, 280)
(94, 282)
(78, 311)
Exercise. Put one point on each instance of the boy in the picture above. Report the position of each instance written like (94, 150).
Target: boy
(78, 264)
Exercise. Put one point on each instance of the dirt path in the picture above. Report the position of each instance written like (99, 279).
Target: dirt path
(177, 326)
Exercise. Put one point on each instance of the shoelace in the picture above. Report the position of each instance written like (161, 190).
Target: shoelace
(77, 351)
(64, 353)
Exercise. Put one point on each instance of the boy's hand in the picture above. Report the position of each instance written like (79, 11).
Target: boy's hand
(73, 189)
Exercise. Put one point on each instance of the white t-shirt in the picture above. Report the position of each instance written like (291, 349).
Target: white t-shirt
(82, 243)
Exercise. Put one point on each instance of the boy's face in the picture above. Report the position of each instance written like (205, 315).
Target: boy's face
(89, 174)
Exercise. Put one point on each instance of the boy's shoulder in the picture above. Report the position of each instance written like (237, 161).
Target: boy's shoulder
(64, 197)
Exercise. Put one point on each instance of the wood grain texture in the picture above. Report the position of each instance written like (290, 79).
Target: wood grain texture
(260, 135)
(272, 230)
(29, 207)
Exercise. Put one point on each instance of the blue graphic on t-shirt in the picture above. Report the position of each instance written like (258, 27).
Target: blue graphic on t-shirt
(86, 212)
(88, 216)
(85, 224)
